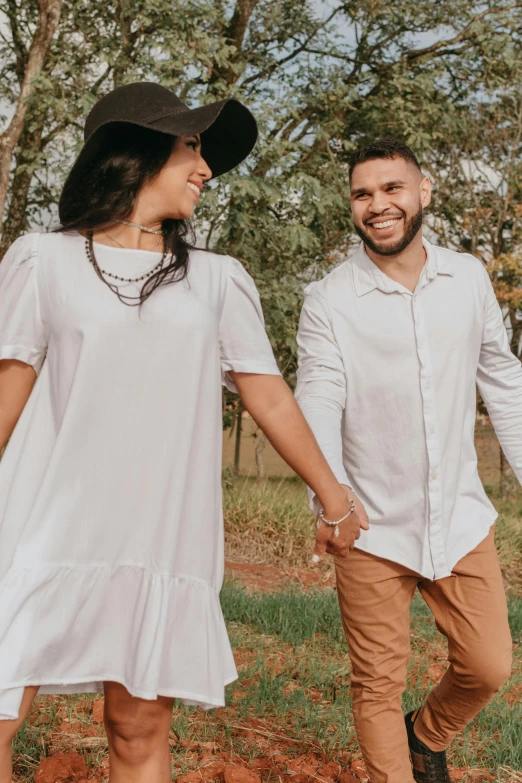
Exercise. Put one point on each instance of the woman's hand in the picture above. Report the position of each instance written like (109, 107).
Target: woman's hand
(349, 530)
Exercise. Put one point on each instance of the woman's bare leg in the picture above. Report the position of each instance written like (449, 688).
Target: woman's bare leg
(138, 734)
(8, 729)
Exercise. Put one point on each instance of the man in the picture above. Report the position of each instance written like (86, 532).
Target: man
(391, 346)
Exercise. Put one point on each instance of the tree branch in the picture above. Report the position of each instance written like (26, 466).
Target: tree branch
(237, 27)
(234, 34)
(12, 12)
(415, 54)
(274, 66)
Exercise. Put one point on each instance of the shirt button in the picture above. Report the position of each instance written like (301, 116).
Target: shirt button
(434, 477)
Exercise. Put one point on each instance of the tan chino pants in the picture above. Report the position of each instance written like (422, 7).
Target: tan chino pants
(469, 608)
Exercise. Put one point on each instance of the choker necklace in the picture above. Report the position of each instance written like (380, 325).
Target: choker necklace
(142, 228)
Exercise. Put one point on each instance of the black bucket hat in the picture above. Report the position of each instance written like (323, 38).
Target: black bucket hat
(227, 129)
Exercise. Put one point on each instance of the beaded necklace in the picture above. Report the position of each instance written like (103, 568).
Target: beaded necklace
(103, 273)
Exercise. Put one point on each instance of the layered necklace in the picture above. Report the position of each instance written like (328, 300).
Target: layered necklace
(104, 274)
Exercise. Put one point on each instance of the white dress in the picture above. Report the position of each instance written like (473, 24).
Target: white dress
(111, 534)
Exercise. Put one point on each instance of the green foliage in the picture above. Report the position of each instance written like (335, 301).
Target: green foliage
(322, 78)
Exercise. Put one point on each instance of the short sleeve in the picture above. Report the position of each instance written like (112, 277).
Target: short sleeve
(243, 342)
(22, 333)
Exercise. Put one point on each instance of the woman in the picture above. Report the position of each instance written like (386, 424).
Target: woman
(111, 544)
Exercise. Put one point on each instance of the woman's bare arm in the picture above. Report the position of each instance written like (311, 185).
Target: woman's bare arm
(16, 383)
(271, 404)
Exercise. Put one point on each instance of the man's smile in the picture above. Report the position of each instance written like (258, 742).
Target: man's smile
(383, 225)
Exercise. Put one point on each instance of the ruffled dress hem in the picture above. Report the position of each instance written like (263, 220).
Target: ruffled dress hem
(96, 686)
(67, 629)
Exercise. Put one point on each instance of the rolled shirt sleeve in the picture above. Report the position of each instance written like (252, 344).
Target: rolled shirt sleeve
(22, 332)
(321, 384)
(244, 345)
(499, 378)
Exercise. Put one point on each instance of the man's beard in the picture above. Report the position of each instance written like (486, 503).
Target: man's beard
(411, 229)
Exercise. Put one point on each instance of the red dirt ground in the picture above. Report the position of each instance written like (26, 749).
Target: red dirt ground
(267, 578)
(276, 759)
(212, 765)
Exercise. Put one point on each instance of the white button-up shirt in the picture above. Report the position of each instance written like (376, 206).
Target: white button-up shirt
(387, 383)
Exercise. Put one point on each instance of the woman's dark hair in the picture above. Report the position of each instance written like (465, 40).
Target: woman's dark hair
(122, 158)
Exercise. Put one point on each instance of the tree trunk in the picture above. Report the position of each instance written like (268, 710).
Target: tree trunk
(234, 34)
(239, 427)
(516, 331)
(16, 221)
(503, 463)
(260, 465)
(48, 18)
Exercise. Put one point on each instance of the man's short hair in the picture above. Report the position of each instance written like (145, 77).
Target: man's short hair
(383, 148)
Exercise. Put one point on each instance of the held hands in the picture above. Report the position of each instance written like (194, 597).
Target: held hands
(349, 530)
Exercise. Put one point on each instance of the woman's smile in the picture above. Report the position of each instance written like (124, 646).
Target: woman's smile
(195, 189)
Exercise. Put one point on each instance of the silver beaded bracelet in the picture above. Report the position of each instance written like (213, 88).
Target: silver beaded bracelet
(336, 524)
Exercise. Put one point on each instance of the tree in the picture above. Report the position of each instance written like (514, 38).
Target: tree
(322, 78)
(291, 217)
(28, 63)
(479, 191)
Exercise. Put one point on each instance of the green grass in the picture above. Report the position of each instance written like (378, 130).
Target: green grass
(297, 616)
(292, 615)
(306, 628)
(302, 692)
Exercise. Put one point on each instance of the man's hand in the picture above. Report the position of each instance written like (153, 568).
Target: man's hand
(349, 531)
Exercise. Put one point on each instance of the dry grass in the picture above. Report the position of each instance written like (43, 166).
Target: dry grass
(267, 522)
(270, 523)
(509, 544)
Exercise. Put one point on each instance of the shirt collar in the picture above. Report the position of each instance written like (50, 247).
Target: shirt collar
(368, 276)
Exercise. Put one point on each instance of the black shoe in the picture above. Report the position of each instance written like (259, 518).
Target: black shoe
(428, 766)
